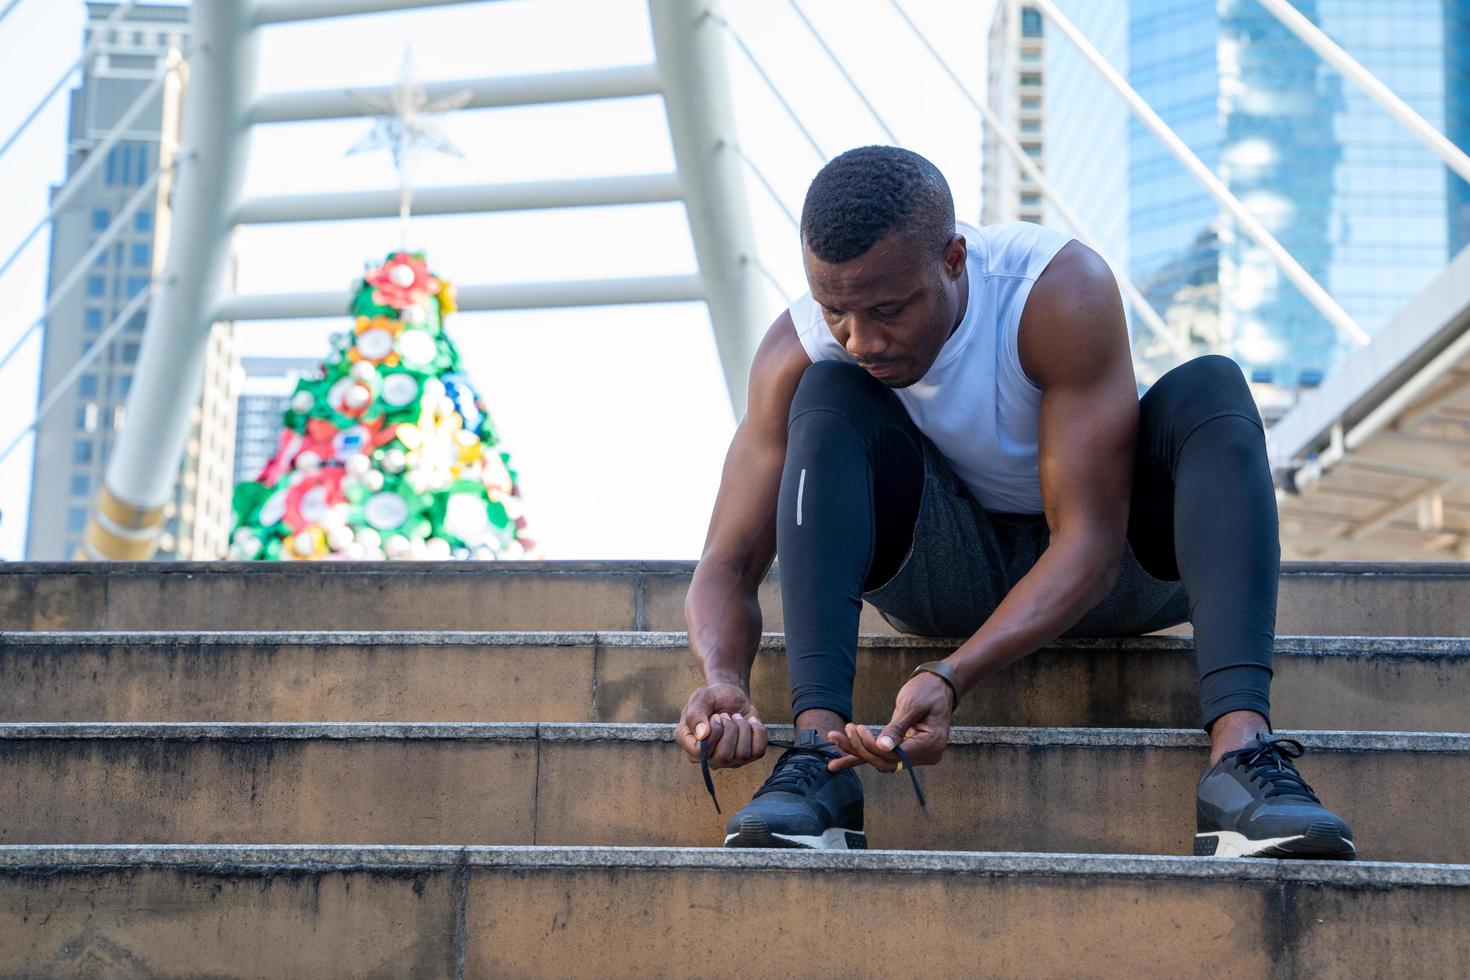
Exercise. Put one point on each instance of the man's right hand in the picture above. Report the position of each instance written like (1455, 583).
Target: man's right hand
(723, 714)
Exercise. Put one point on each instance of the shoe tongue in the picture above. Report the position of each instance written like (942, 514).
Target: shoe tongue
(810, 738)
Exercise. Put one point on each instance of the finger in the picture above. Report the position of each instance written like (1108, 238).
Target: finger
(840, 740)
(893, 732)
(742, 740)
(696, 716)
(687, 742)
(884, 761)
(865, 751)
(757, 738)
(729, 739)
(714, 729)
(927, 746)
(844, 762)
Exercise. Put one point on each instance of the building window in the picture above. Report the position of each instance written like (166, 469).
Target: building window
(142, 255)
(136, 284)
(130, 353)
(76, 520)
(81, 451)
(81, 485)
(1031, 79)
(143, 221)
(1031, 102)
(1030, 57)
(88, 386)
(100, 219)
(92, 319)
(96, 287)
(1033, 150)
(123, 382)
(1030, 22)
(1030, 200)
(1030, 125)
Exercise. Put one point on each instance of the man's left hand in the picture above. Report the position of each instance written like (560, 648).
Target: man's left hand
(920, 725)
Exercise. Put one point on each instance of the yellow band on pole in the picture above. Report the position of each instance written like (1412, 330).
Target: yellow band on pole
(128, 516)
(118, 547)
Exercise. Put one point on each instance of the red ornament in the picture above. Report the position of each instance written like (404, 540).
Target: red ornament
(309, 498)
(403, 281)
(286, 450)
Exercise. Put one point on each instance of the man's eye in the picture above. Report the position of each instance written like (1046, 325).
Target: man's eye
(893, 312)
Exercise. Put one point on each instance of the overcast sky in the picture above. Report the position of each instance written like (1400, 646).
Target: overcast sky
(617, 419)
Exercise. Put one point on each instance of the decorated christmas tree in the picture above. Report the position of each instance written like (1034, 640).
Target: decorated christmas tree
(388, 452)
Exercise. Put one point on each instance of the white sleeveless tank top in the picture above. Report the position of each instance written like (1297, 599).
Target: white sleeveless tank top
(975, 403)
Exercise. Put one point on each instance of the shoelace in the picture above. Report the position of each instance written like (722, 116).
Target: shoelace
(908, 767)
(1270, 762)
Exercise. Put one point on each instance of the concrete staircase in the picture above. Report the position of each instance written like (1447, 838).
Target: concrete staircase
(468, 770)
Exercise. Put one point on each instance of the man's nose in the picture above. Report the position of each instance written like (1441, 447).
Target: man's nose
(865, 343)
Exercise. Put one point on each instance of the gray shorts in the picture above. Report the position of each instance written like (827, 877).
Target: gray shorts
(964, 559)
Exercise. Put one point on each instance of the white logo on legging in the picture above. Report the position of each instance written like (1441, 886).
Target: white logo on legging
(800, 486)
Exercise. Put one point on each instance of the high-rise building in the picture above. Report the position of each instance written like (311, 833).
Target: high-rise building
(1365, 208)
(74, 441)
(269, 382)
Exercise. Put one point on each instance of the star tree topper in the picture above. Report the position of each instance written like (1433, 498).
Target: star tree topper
(405, 126)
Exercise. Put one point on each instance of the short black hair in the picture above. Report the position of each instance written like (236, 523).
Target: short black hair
(862, 195)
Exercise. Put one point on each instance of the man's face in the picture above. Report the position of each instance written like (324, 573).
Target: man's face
(892, 307)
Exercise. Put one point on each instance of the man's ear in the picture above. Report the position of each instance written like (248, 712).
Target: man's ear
(954, 256)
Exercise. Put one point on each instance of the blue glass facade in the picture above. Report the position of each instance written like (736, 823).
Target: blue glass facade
(1367, 210)
(1082, 149)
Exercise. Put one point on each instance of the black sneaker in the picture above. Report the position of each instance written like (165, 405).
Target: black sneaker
(1254, 803)
(801, 804)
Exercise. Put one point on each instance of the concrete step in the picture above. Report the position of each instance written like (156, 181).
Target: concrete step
(1333, 598)
(1350, 683)
(1027, 789)
(641, 912)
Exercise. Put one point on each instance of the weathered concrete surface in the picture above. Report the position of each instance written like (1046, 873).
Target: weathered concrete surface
(229, 921)
(1347, 683)
(326, 676)
(1353, 598)
(272, 786)
(1056, 790)
(613, 912)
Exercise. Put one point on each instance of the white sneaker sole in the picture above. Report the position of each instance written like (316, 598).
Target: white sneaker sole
(833, 839)
(1228, 843)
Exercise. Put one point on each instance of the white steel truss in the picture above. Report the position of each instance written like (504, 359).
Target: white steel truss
(1302, 279)
(218, 117)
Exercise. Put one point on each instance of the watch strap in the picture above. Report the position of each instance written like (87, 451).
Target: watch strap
(945, 673)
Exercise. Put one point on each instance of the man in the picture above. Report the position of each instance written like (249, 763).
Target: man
(948, 426)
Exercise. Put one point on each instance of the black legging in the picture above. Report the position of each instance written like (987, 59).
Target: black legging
(1203, 509)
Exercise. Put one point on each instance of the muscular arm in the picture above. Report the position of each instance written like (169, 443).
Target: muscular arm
(1074, 342)
(721, 609)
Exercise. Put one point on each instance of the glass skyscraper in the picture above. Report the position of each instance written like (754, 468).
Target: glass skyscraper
(1369, 211)
(1363, 206)
(74, 442)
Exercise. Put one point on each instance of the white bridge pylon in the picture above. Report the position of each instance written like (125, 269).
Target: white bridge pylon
(222, 109)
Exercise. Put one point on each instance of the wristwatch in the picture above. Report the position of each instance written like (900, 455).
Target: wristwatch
(945, 673)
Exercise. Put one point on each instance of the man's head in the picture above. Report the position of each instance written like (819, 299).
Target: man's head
(883, 260)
